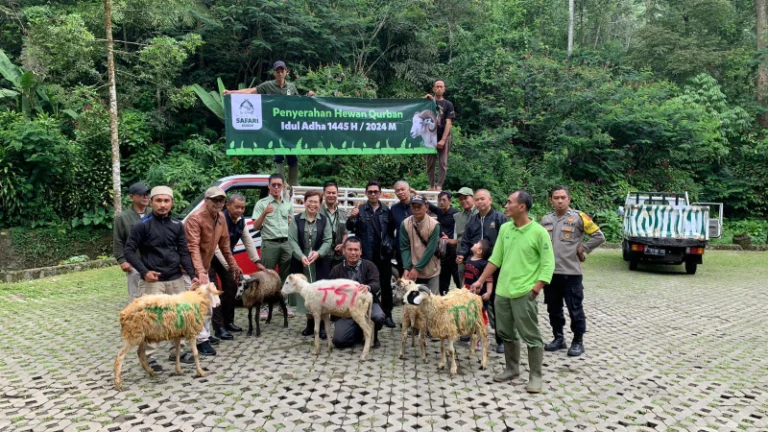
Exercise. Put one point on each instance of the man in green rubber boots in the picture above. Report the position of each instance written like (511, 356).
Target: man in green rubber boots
(524, 253)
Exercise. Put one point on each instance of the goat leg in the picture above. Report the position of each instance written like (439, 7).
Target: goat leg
(284, 308)
(193, 344)
(328, 334)
(258, 318)
(441, 365)
(316, 350)
(127, 346)
(452, 353)
(404, 336)
(143, 360)
(177, 345)
(250, 321)
(270, 305)
(367, 326)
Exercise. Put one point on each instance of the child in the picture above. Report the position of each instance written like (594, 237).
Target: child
(473, 268)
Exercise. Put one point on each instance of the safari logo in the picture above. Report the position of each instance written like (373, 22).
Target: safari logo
(246, 112)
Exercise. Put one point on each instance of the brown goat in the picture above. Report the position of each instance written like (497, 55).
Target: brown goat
(255, 290)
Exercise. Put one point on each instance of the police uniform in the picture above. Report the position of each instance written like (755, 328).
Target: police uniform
(567, 233)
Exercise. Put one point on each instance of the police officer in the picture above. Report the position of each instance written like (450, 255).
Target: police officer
(567, 228)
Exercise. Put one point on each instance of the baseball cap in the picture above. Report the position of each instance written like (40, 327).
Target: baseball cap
(138, 189)
(279, 64)
(161, 190)
(419, 199)
(465, 191)
(215, 191)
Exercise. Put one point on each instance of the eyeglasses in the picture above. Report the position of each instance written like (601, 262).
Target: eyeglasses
(276, 185)
(373, 192)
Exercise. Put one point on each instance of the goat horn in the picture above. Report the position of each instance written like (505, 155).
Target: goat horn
(424, 289)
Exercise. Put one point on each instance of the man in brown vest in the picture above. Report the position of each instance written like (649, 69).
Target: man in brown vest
(419, 236)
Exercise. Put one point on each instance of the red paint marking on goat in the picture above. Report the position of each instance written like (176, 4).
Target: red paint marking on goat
(338, 291)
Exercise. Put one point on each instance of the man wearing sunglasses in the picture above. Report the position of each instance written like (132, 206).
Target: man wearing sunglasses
(271, 216)
(278, 86)
(370, 224)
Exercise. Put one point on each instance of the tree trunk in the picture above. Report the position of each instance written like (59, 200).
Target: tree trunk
(113, 109)
(762, 69)
(570, 26)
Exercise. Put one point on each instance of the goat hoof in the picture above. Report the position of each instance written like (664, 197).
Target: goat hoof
(401, 356)
(314, 352)
(119, 386)
(179, 371)
(152, 374)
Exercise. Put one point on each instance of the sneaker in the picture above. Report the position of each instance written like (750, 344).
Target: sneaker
(205, 349)
(155, 365)
(500, 348)
(290, 312)
(264, 314)
(465, 338)
(186, 357)
(479, 345)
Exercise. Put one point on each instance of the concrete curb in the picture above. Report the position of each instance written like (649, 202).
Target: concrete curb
(37, 273)
(730, 247)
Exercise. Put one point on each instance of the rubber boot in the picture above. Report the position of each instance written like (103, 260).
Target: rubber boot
(577, 346)
(558, 342)
(535, 363)
(280, 169)
(512, 360)
(323, 335)
(310, 329)
(293, 175)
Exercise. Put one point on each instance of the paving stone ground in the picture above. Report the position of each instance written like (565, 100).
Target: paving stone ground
(665, 351)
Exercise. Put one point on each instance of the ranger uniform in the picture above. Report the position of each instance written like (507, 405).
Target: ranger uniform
(567, 233)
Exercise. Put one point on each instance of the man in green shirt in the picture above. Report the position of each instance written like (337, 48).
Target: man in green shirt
(278, 86)
(271, 216)
(524, 253)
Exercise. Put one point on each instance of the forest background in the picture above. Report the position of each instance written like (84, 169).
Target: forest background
(661, 95)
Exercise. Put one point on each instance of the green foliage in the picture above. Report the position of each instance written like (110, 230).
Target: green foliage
(74, 260)
(29, 248)
(100, 217)
(756, 229)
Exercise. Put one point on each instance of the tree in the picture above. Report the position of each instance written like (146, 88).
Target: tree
(117, 198)
(570, 27)
(762, 69)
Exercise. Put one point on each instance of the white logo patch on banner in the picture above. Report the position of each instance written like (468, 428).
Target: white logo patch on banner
(246, 112)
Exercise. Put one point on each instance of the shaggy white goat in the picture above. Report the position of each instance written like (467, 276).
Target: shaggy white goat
(162, 317)
(458, 313)
(343, 298)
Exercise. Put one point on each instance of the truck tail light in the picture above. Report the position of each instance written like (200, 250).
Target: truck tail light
(638, 248)
(694, 251)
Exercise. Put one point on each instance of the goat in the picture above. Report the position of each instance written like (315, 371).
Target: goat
(343, 298)
(450, 316)
(257, 289)
(162, 317)
(412, 318)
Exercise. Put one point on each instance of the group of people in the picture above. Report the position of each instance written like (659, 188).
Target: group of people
(445, 116)
(505, 257)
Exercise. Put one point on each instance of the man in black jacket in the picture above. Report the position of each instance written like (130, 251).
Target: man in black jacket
(370, 223)
(485, 224)
(346, 332)
(157, 248)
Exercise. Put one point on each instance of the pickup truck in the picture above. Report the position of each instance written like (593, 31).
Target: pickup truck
(255, 187)
(665, 228)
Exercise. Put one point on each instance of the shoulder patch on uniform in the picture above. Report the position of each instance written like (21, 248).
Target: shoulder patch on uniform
(590, 227)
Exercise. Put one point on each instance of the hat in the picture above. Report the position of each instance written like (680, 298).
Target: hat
(279, 64)
(419, 199)
(161, 190)
(138, 189)
(465, 191)
(215, 191)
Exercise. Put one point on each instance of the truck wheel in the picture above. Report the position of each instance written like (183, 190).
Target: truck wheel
(690, 267)
(625, 250)
(633, 263)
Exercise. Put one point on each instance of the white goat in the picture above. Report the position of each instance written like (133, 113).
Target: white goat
(343, 298)
(162, 317)
(458, 313)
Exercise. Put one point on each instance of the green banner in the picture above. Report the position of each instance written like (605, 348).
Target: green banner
(300, 125)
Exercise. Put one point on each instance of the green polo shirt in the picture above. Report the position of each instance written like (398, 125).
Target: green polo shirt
(525, 257)
(271, 88)
(276, 223)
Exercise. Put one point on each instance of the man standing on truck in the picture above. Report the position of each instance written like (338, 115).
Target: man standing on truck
(445, 117)
(278, 86)
(206, 229)
(272, 215)
(567, 228)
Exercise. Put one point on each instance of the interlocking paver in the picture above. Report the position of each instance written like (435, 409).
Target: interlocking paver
(665, 351)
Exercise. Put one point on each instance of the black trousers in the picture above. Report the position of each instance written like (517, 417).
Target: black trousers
(347, 333)
(566, 288)
(449, 269)
(224, 314)
(385, 276)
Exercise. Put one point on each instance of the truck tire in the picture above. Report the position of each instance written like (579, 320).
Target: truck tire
(625, 250)
(633, 263)
(690, 267)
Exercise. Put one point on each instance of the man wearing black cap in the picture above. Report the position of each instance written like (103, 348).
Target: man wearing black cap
(139, 194)
(278, 86)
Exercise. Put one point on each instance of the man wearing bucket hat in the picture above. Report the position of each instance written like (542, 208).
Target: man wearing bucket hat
(278, 86)
(157, 250)
(206, 229)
